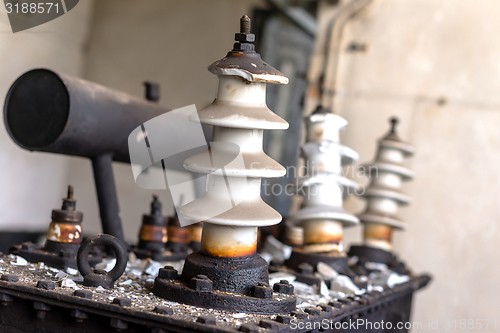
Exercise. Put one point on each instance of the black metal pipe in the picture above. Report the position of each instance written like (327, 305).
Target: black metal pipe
(54, 112)
(106, 196)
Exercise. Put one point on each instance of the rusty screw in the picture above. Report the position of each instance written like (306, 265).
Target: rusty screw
(201, 283)
(283, 287)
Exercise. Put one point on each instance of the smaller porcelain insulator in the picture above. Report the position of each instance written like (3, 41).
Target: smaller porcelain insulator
(383, 194)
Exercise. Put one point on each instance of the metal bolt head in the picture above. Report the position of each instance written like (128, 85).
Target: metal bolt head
(201, 283)
(326, 308)
(206, 320)
(10, 278)
(336, 305)
(122, 301)
(284, 319)
(249, 328)
(305, 269)
(313, 311)
(299, 315)
(118, 324)
(268, 324)
(83, 293)
(262, 292)
(78, 315)
(164, 310)
(168, 273)
(41, 306)
(244, 38)
(47, 285)
(283, 287)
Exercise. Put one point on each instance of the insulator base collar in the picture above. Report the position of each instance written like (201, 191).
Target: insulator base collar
(234, 284)
(57, 255)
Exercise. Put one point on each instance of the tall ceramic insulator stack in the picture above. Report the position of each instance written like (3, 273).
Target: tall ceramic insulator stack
(239, 115)
(383, 194)
(227, 273)
(323, 187)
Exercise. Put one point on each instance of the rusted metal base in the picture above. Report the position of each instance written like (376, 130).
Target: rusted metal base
(235, 284)
(23, 305)
(58, 255)
(368, 253)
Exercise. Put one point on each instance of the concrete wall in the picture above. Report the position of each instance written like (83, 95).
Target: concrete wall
(435, 64)
(32, 184)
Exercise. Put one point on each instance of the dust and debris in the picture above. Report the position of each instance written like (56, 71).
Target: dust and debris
(138, 278)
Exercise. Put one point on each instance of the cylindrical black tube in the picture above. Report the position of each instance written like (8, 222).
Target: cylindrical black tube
(106, 195)
(54, 112)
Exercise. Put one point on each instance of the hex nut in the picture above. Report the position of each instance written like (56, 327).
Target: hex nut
(118, 324)
(299, 315)
(10, 278)
(168, 273)
(122, 301)
(83, 293)
(268, 324)
(206, 320)
(78, 315)
(262, 292)
(244, 38)
(326, 308)
(284, 319)
(313, 311)
(47, 285)
(164, 310)
(283, 287)
(41, 306)
(249, 328)
(201, 283)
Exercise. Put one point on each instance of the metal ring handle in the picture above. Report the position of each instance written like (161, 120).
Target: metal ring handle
(101, 239)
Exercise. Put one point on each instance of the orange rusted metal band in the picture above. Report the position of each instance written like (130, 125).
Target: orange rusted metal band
(178, 234)
(378, 231)
(153, 233)
(65, 232)
(229, 251)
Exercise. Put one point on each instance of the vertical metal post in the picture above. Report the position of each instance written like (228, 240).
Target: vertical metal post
(106, 195)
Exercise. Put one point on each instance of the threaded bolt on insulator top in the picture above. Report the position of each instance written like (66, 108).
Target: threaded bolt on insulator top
(394, 121)
(155, 206)
(245, 24)
(69, 203)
